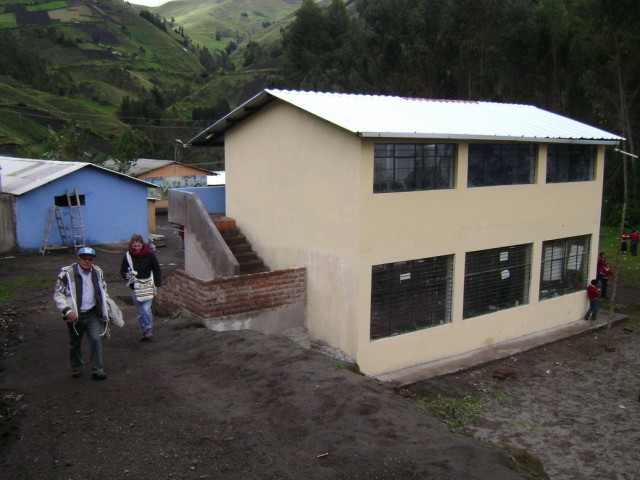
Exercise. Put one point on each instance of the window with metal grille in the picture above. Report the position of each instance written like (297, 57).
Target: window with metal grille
(401, 167)
(570, 163)
(496, 279)
(564, 266)
(501, 164)
(411, 295)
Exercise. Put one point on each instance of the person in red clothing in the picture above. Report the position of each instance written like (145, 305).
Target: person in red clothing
(623, 242)
(602, 259)
(635, 238)
(605, 274)
(593, 294)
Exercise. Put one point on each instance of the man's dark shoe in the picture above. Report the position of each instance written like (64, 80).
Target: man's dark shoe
(100, 376)
(76, 374)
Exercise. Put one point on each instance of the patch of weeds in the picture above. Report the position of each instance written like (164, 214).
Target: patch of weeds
(500, 397)
(541, 431)
(457, 413)
(8, 288)
(526, 463)
(352, 367)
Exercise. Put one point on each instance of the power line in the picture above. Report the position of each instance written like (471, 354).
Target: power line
(17, 111)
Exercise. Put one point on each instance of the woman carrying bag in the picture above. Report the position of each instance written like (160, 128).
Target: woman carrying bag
(141, 269)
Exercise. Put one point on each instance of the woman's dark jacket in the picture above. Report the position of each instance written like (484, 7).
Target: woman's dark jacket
(144, 266)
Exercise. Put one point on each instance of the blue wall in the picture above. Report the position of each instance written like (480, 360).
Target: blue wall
(115, 207)
(213, 198)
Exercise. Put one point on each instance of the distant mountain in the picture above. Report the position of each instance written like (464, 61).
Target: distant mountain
(81, 62)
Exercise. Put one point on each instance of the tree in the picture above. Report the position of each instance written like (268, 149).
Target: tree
(70, 144)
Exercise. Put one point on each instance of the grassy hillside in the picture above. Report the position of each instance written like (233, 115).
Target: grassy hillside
(215, 23)
(102, 51)
(93, 54)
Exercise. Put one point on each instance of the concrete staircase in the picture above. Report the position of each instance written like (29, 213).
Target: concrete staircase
(237, 242)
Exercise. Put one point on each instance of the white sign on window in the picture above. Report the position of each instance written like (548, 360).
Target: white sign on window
(405, 276)
(504, 274)
(504, 256)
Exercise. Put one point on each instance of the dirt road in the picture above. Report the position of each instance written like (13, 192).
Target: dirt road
(240, 405)
(201, 404)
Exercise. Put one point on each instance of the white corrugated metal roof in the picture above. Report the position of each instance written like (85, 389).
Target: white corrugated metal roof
(21, 175)
(370, 115)
(400, 117)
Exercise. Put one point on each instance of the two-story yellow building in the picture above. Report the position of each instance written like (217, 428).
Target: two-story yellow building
(428, 228)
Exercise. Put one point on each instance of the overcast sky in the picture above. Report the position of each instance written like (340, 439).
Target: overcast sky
(148, 3)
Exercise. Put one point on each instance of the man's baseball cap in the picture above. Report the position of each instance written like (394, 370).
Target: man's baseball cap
(87, 251)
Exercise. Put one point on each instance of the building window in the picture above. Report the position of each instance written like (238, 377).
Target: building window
(401, 167)
(564, 266)
(410, 295)
(570, 163)
(501, 164)
(496, 279)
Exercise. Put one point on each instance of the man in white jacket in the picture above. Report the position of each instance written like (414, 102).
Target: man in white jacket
(80, 295)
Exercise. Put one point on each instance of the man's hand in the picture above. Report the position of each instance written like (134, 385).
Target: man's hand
(71, 317)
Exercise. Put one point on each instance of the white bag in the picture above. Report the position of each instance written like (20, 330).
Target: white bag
(144, 289)
(114, 314)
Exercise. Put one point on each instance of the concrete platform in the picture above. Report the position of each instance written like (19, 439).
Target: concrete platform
(498, 351)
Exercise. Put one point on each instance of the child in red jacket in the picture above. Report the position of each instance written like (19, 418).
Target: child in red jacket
(593, 294)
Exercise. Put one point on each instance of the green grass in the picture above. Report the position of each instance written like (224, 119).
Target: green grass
(10, 288)
(457, 413)
(629, 267)
(8, 20)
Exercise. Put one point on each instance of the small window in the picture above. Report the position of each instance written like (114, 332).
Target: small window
(564, 266)
(410, 295)
(501, 164)
(408, 167)
(570, 163)
(496, 279)
(68, 201)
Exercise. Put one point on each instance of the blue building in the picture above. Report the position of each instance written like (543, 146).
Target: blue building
(112, 205)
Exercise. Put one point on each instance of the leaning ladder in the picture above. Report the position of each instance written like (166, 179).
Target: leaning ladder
(54, 213)
(77, 223)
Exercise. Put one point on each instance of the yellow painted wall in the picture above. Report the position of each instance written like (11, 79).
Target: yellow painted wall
(301, 190)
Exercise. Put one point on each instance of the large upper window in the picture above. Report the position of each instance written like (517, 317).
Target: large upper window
(496, 279)
(501, 164)
(411, 295)
(400, 167)
(564, 266)
(570, 163)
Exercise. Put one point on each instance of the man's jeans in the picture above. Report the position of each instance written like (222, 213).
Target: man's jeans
(89, 324)
(145, 317)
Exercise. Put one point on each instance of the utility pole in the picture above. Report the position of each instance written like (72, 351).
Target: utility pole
(612, 302)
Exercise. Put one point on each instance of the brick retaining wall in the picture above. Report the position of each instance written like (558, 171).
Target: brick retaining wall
(225, 297)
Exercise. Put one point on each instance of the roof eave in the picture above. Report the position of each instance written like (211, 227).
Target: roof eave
(501, 138)
(214, 134)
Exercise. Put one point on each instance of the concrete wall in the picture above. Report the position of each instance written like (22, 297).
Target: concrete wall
(114, 208)
(7, 224)
(213, 198)
(268, 302)
(206, 254)
(292, 184)
(302, 190)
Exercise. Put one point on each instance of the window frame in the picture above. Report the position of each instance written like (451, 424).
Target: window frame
(558, 255)
(575, 163)
(411, 295)
(497, 164)
(409, 167)
(496, 279)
